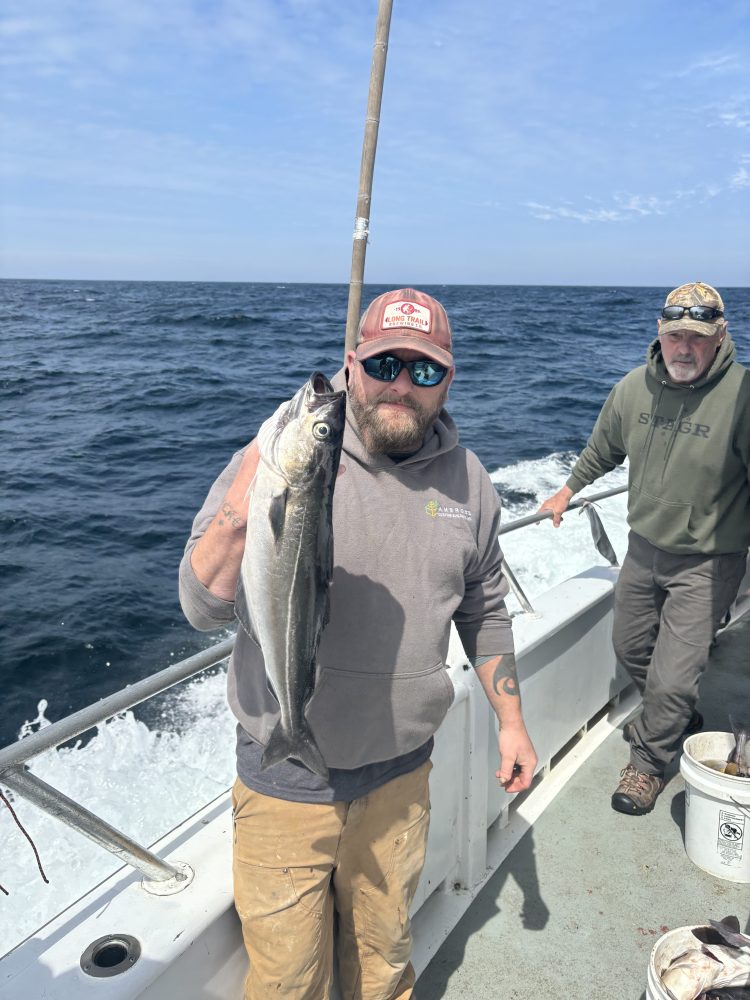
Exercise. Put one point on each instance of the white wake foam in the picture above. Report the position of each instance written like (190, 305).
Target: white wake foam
(540, 555)
(142, 781)
(145, 781)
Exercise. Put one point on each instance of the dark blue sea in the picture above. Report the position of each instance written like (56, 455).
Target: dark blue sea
(120, 402)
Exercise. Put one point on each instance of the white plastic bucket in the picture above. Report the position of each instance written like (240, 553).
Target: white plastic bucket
(669, 947)
(717, 809)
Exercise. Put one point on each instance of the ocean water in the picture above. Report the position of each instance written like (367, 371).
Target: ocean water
(121, 402)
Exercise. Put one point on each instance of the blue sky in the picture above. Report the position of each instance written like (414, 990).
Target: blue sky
(555, 142)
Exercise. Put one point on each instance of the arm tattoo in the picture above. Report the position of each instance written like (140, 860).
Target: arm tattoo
(231, 515)
(506, 676)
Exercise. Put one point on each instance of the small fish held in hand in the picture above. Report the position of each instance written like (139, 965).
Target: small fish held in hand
(601, 539)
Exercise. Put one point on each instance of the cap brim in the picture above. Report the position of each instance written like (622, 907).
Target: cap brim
(694, 325)
(369, 348)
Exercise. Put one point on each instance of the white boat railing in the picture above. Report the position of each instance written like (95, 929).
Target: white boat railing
(15, 775)
(13, 758)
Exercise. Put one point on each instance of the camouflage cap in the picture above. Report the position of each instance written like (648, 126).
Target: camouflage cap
(695, 293)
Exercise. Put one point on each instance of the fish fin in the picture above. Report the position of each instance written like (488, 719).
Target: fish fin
(732, 922)
(302, 748)
(271, 688)
(729, 931)
(707, 936)
(277, 513)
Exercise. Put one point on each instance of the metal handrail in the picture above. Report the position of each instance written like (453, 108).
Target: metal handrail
(73, 814)
(516, 589)
(73, 725)
(521, 522)
(14, 757)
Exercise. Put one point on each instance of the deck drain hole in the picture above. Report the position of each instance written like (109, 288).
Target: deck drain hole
(110, 955)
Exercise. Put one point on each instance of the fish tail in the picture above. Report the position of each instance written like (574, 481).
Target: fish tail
(301, 746)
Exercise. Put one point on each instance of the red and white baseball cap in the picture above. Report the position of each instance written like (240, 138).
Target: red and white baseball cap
(405, 318)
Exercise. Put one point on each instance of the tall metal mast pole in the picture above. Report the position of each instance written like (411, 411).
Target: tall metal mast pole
(369, 145)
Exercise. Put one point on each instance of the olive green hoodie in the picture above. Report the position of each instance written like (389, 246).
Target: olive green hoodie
(689, 454)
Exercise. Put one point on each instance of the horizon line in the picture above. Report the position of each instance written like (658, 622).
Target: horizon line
(345, 284)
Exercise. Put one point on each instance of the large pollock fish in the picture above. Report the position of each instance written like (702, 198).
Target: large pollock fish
(287, 564)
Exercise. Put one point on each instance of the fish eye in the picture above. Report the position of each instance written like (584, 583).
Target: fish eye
(321, 431)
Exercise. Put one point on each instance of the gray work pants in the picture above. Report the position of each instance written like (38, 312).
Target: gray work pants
(667, 610)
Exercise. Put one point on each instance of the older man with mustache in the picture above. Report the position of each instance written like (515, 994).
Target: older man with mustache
(683, 421)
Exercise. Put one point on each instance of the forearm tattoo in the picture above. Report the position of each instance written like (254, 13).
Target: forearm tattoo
(506, 676)
(228, 514)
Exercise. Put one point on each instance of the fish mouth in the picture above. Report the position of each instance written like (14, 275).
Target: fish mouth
(314, 394)
(320, 386)
(321, 393)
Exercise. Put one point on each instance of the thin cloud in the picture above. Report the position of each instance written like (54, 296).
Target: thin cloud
(642, 204)
(733, 112)
(110, 40)
(547, 212)
(712, 64)
(633, 206)
(735, 119)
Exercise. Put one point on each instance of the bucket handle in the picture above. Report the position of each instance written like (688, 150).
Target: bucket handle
(742, 808)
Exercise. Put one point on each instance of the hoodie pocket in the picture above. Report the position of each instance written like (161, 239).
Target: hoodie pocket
(359, 718)
(664, 523)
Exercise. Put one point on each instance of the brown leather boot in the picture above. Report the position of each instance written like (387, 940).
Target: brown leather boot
(637, 791)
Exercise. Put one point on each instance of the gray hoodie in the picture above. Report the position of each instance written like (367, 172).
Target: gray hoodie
(415, 547)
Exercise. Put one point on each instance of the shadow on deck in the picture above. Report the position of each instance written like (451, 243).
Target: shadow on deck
(577, 906)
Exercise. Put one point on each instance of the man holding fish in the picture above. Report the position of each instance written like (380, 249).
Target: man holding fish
(683, 421)
(338, 676)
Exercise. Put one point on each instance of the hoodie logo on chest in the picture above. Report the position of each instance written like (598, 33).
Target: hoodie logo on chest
(667, 423)
(435, 509)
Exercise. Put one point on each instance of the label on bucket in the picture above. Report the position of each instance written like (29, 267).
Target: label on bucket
(730, 838)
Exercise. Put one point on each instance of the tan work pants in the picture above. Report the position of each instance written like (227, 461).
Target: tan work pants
(298, 863)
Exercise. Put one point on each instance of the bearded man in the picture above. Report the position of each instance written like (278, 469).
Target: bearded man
(415, 523)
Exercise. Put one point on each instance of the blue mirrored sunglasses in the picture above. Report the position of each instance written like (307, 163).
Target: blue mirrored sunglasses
(386, 368)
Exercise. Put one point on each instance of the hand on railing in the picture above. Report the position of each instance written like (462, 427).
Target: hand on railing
(557, 504)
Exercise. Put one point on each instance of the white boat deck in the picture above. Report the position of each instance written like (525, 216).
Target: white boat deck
(577, 906)
(546, 895)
